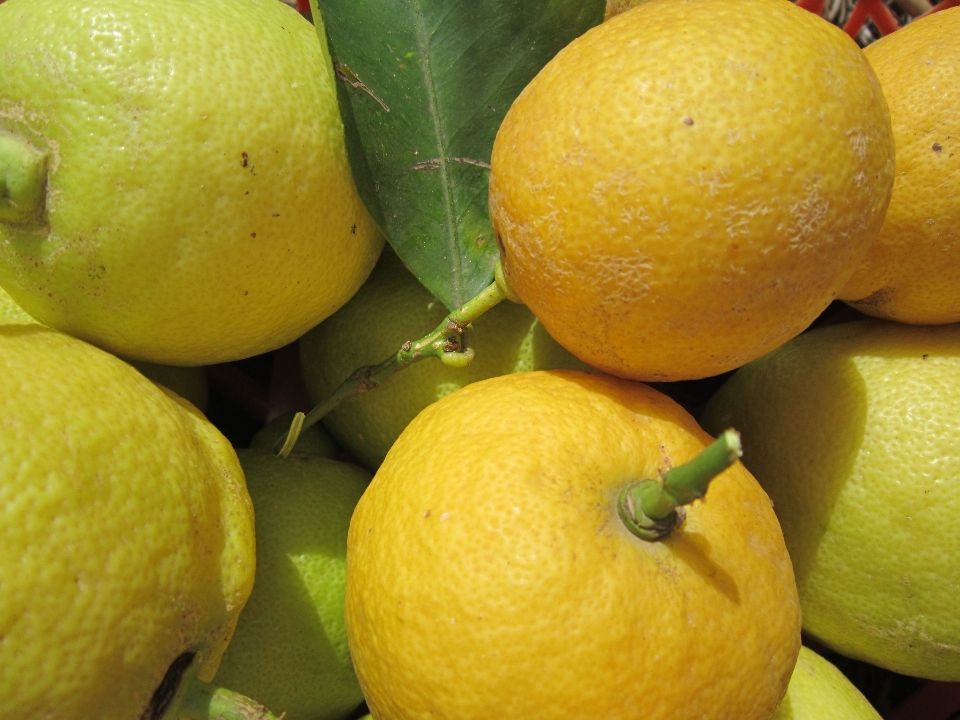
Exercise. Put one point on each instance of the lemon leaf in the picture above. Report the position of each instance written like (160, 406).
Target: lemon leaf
(423, 87)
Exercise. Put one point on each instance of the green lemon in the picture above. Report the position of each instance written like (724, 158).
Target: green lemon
(126, 535)
(290, 647)
(818, 691)
(174, 184)
(391, 308)
(314, 440)
(854, 431)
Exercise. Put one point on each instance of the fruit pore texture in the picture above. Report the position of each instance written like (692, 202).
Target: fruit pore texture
(910, 273)
(489, 574)
(126, 532)
(688, 185)
(199, 206)
(854, 431)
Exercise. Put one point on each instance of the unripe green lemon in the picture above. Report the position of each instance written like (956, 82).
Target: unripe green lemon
(290, 647)
(391, 308)
(854, 431)
(174, 174)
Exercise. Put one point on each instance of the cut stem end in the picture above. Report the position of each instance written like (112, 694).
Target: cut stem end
(652, 509)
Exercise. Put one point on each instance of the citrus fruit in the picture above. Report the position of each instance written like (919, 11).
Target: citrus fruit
(181, 192)
(701, 193)
(910, 273)
(290, 650)
(11, 313)
(189, 383)
(313, 441)
(489, 574)
(391, 308)
(818, 691)
(126, 534)
(853, 431)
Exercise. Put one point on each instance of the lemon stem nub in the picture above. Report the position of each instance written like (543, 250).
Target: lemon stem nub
(448, 342)
(651, 509)
(203, 701)
(23, 178)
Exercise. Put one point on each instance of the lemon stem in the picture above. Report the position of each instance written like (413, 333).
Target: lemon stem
(449, 342)
(651, 509)
(203, 701)
(23, 173)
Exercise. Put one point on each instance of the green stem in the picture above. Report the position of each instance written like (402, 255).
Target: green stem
(203, 701)
(449, 342)
(23, 177)
(651, 509)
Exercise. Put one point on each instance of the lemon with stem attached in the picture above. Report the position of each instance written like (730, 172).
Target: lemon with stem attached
(533, 546)
(171, 189)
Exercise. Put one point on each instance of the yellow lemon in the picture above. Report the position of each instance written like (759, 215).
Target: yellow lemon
(127, 545)
(688, 185)
(189, 383)
(818, 691)
(489, 573)
(854, 431)
(391, 308)
(910, 274)
(175, 181)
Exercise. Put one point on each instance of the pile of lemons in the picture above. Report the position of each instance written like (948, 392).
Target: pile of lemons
(679, 194)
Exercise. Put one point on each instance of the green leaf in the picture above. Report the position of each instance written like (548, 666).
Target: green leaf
(423, 87)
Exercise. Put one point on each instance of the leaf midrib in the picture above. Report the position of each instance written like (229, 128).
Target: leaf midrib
(452, 248)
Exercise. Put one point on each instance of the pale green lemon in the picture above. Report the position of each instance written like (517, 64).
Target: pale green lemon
(126, 533)
(854, 431)
(175, 180)
(391, 308)
(290, 647)
(818, 691)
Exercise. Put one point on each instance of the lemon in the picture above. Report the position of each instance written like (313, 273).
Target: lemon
(910, 273)
(818, 691)
(391, 308)
(489, 574)
(290, 647)
(177, 181)
(11, 313)
(853, 431)
(689, 184)
(127, 534)
(189, 383)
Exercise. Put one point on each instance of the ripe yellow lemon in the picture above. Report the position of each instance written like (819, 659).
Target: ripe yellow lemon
(189, 383)
(818, 691)
(127, 534)
(489, 574)
(290, 648)
(689, 184)
(176, 180)
(391, 308)
(910, 274)
(854, 431)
